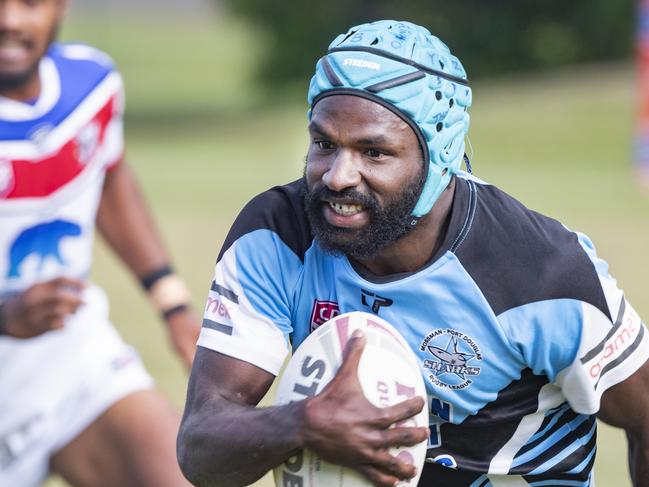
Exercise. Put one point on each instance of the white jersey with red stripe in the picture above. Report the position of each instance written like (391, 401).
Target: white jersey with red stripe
(54, 154)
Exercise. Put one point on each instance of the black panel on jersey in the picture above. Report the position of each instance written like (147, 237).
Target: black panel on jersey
(436, 475)
(517, 256)
(281, 210)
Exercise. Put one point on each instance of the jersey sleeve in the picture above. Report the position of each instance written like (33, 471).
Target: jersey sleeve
(114, 133)
(611, 348)
(249, 310)
(580, 347)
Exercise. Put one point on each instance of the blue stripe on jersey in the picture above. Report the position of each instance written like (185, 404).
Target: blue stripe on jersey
(555, 415)
(552, 483)
(584, 464)
(548, 333)
(556, 459)
(267, 267)
(547, 444)
(483, 481)
(78, 78)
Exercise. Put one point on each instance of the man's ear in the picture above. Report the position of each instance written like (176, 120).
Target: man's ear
(63, 10)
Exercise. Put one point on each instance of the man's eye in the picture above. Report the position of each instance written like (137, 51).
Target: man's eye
(323, 144)
(374, 153)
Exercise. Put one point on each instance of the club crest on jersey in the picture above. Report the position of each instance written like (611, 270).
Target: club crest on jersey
(87, 142)
(7, 179)
(322, 312)
(39, 134)
(455, 358)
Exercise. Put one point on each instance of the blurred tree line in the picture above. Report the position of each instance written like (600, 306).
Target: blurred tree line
(489, 36)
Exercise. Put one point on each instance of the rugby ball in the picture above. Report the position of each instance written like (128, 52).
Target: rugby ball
(388, 373)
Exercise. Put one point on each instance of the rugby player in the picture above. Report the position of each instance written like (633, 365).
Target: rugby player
(523, 337)
(74, 398)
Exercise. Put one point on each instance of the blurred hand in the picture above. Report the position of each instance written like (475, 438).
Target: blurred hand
(42, 307)
(184, 328)
(344, 428)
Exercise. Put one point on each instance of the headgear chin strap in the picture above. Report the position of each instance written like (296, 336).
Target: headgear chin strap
(409, 71)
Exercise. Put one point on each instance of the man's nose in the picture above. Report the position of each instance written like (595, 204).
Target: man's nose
(343, 172)
(10, 14)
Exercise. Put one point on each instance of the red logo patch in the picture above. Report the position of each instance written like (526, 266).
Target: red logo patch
(322, 312)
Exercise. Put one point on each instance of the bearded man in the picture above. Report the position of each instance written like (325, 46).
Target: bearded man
(385, 221)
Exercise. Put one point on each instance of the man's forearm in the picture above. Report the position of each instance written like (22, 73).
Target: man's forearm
(126, 223)
(639, 458)
(239, 444)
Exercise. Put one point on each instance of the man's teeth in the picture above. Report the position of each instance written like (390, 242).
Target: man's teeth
(345, 210)
(11, 44)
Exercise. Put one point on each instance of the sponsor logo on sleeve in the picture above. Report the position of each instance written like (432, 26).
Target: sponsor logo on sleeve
(621, 341)
(217, 315)
(322, 312)
(455, 358)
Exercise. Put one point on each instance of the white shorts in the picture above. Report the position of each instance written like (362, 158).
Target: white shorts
(55, 385)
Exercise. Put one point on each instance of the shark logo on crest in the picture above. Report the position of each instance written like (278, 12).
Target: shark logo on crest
(450, 355)
(456, 358)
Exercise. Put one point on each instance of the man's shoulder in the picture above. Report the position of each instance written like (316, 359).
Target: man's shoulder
(280, 210)
(81, 56)
(518, 256)
(72, 76)
(81, 67)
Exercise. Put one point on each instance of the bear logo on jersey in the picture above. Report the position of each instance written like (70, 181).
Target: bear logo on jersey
(455, 358)
(42, 240)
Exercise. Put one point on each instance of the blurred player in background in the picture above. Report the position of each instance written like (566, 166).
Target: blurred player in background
(522, 335)
(74, 399)
(641, 143)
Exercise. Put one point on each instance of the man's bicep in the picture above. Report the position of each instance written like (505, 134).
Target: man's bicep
(215, 375)
(625, 405)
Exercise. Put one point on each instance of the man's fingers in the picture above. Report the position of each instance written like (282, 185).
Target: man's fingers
(400, 411)
(74, 285)
(404, 436)
(376, 477)
(66, 296)
(381, 477)
(352, 353)
(56, 322)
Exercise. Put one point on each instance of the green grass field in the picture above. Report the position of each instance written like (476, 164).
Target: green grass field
(559, 142)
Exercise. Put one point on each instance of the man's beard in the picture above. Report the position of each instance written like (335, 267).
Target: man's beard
(14, 81)
(10, 81)
(386, 224)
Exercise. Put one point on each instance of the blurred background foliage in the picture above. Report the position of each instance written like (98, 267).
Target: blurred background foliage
(489, 36)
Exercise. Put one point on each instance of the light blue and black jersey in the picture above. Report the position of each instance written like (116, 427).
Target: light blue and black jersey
(517, 324)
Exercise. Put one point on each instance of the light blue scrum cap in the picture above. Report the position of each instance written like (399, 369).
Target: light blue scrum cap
(403, 67)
